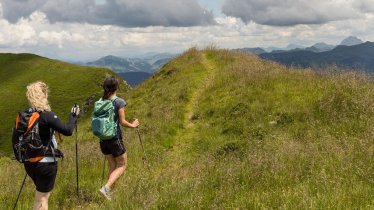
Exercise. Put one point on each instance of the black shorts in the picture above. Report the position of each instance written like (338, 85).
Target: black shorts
(43, 175)
(112, 147)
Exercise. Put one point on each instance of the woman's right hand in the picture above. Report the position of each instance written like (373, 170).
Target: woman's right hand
(135, 123)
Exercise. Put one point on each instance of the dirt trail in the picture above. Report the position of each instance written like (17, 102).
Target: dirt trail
(184, 136)
(189, 116)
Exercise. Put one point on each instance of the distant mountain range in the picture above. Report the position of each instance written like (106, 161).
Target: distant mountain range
(122, 65)
(359, 57)
(148, 64)
(351, 53)
(256, 50)
(318, 47)
(134, 70)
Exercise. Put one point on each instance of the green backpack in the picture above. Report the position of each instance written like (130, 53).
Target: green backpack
(103, 124)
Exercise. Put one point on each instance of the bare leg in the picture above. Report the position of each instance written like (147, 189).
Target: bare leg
(121, 163)
(41, 200)
(112, 164)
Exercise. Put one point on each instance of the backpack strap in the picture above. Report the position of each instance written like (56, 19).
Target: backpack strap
(55, 152)
(50, 145)
(113, 98)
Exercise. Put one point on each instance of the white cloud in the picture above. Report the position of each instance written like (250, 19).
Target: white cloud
(82, 41)
(364, 5)
(59, 38)
(20, 34)
(125, 13)
(1, 11)
(294, 12)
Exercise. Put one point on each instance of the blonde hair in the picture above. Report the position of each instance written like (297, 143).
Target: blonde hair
(37, 95)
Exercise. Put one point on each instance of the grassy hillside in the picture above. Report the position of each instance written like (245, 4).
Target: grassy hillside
(228, 130)
(68, 84)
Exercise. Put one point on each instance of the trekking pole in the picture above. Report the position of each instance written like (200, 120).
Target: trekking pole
(76, 152)
(20, 190)
(141, 143)
(102, 176)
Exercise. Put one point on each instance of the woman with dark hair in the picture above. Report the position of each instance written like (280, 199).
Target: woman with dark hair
(114, 149)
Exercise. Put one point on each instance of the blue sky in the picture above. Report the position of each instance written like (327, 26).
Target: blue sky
(89, 29)
(215, 6)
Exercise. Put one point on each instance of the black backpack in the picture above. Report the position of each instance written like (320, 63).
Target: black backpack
(27, 144)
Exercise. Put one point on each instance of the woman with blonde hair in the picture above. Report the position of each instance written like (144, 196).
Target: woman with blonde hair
(43, 172)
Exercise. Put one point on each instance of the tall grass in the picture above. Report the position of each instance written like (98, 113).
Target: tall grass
(227, 130)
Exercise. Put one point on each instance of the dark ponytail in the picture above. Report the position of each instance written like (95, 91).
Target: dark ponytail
(110, 86)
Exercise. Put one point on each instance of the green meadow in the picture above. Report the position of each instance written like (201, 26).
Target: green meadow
(222, 130)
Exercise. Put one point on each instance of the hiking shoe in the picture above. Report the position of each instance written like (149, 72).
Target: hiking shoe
(105, 192)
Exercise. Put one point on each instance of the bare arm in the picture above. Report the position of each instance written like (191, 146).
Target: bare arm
(124, 122)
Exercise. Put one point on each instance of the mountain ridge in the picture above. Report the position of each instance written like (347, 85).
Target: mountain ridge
(225, 129)
(149, 63)
(351, 40)
(317, 47)
(122, 65)
(358, 57)
(134, 70)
